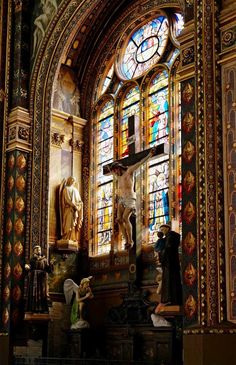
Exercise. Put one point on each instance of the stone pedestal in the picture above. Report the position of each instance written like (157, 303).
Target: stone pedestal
(79, 342)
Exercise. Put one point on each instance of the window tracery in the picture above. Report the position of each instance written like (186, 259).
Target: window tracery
(145, 88)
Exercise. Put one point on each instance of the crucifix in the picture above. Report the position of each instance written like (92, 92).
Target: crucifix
(124, 170)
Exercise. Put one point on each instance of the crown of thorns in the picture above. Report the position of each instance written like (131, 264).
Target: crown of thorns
(118, 165)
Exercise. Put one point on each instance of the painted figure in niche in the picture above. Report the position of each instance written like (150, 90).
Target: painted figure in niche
(79, 294)
(49, 7)
(127, 195)
(37, 293)
(171, 291)
(71, 209)
(66, 96)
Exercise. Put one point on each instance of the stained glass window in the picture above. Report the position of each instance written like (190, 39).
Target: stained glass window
(130, 107)
(158, 126)
(144, 48)
(108, 78)
(150, 53)
(104, 183)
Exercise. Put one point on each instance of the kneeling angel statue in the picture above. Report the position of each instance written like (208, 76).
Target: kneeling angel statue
(81, 293)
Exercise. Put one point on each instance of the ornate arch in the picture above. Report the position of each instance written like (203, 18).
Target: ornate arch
(59, 35)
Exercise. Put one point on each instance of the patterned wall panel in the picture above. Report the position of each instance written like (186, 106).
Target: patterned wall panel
(189, 210)
(229, 118)
(14, 239)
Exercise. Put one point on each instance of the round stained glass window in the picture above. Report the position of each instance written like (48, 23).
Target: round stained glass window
(143, 48)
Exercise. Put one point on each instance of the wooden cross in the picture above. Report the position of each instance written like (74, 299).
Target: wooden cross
(133, 158)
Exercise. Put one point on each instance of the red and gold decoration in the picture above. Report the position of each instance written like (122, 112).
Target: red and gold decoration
(6, 293)
(17, 271)
(189, 181)
(188, 93)
(189, 243)
(190, 275)
(11, 162)
(7, 248)
(18, 248)
(190, 307)
(188, 122)
(188, 152)
(20, 183)
(189, 212)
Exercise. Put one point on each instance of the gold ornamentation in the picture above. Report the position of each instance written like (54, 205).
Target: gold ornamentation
(9, 205)
(189, 181)
(9, 226)
(57, 139)
(76, 144)
(188, 122)
(24, 133)
(10, 183)
(16, 293)
(5, 316)
(2, 95)
(18, 5)
(189, 212)
(21, 162)
(19, 226)
(189, 243)
(18, 248)
(17, 271)
(11, 161)
(12, 133)
(20, 183)
(6, 293)
(7, 270)
(190, 307)
(188, 152)
(190, 274)
(7, 248)
(228, 37)
(20, 204)
(188, 93)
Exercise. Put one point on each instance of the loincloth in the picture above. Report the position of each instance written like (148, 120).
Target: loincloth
(128, 202)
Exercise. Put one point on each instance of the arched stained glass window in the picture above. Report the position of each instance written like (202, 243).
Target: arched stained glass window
(158, 109)
(108, 79)
(130, 107)
(147, 94)
(145, 47)
(104, 184)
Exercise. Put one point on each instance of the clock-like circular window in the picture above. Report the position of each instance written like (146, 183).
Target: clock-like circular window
(143, 48)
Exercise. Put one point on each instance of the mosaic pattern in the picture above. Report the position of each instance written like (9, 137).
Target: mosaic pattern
(14, 239)
(189, 224)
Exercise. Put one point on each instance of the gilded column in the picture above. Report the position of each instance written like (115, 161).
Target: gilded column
(210, 335)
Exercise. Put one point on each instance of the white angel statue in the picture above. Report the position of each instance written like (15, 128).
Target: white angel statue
(82, 292)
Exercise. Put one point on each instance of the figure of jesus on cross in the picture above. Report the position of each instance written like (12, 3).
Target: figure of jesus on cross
(126, 195)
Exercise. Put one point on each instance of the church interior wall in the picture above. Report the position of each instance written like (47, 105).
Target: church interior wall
(57, 144)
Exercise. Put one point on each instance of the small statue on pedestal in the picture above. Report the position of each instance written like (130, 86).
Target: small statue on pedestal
(71, 213)
(82, 293)
(37, 293)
